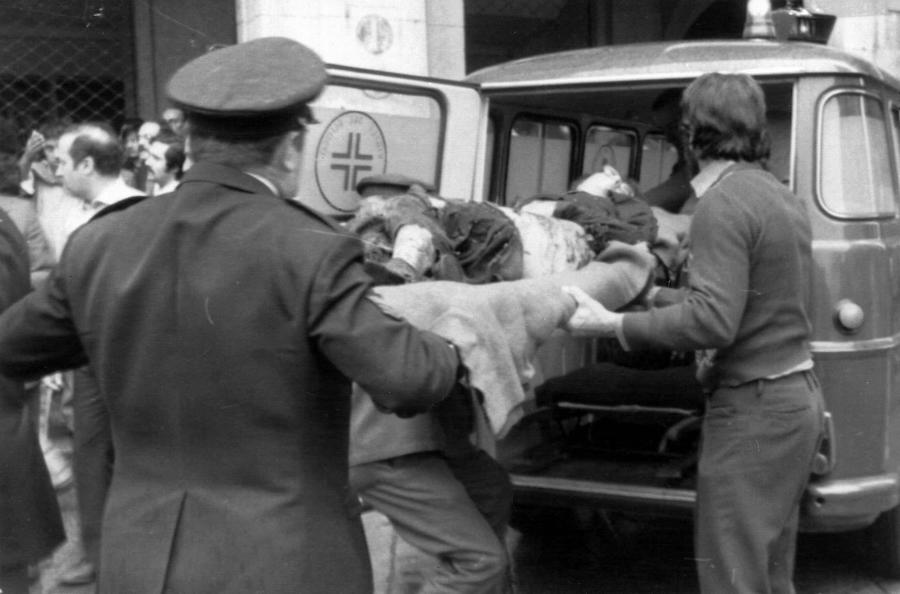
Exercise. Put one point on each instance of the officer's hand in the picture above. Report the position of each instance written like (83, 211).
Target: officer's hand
(590, 317)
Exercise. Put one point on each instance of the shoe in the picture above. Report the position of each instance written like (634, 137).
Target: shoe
(79, 574)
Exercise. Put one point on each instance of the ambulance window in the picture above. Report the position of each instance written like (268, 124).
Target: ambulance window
(366, 131)
(855, 174)
(608, 146)
(540, 155)
(657, 160)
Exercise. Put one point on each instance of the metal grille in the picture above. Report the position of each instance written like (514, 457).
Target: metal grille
(64, 59)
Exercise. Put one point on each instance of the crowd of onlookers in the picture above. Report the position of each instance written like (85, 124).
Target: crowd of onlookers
(46, 211)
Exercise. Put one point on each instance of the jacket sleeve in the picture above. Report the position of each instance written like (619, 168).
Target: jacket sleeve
(37, 334)
(405, 370)
(39, 251)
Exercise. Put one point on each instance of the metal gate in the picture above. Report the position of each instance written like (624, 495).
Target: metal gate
(64, 60)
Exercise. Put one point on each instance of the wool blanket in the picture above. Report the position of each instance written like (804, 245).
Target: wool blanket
(498, 327)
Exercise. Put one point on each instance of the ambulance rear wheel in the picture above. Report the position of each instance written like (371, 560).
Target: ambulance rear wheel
(884, 543)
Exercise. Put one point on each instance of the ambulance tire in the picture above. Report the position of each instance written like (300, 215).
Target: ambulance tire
(884, 543)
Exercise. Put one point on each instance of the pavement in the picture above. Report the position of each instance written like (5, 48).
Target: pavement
(563, 552)
(557, 554)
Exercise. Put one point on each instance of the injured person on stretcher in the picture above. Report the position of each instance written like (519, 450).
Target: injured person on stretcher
(494, 274)
(489, 279)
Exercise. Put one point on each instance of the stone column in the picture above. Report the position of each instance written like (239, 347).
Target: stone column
(422, 37)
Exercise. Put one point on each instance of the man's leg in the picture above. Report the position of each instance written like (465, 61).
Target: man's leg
(484, 479)
(783, 551)
(431, 510)
(758, 444)
(487, 484)
(49, 389)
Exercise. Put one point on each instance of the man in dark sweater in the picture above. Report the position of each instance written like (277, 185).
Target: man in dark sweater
(749, 278)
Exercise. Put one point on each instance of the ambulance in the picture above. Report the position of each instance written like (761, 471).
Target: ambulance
(534, 125)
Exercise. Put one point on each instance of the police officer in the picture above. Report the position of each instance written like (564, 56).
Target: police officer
(225, 323)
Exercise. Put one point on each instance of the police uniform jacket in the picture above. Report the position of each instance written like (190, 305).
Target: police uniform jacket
(30, 524)
(224, 325)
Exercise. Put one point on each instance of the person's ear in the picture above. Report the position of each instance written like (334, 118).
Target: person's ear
(290, 150)
(86, 165)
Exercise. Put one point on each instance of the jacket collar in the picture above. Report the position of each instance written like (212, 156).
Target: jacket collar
(224, 176)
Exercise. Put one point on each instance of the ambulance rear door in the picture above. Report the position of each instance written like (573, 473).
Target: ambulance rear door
(371, 122)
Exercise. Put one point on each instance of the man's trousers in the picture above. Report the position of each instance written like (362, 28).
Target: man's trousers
(432, 510)
(759, 440)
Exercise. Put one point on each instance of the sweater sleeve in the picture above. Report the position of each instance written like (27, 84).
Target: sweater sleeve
(719, 267)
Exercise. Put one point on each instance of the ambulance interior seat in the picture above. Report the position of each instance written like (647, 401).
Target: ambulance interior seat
(651, 412)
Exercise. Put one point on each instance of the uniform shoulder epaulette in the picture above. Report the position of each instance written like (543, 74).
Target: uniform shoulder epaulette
(321, 217)
(117, 206)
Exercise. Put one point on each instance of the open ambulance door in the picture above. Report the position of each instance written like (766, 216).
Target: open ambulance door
(371, 123)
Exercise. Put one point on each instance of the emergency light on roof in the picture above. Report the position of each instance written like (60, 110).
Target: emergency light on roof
(759, 20)
(790, 22)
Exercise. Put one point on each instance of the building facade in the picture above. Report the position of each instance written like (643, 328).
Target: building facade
(110, 59)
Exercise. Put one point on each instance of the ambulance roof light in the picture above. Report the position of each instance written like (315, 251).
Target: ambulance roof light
(759, 20)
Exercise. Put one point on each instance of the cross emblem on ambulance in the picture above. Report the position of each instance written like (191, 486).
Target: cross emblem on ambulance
(351, 147)
(352, 161)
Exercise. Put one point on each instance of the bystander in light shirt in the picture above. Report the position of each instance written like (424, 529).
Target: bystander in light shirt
(115, 192)
(58, 211)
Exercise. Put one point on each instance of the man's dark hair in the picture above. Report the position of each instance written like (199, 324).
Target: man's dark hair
(725, 115)
(129, 126)
(174, 154)
(98, 141)
(213, 142)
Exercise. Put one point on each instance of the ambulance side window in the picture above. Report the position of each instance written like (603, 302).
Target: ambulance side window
(855, 171)
(540, 156)
(608, 146)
